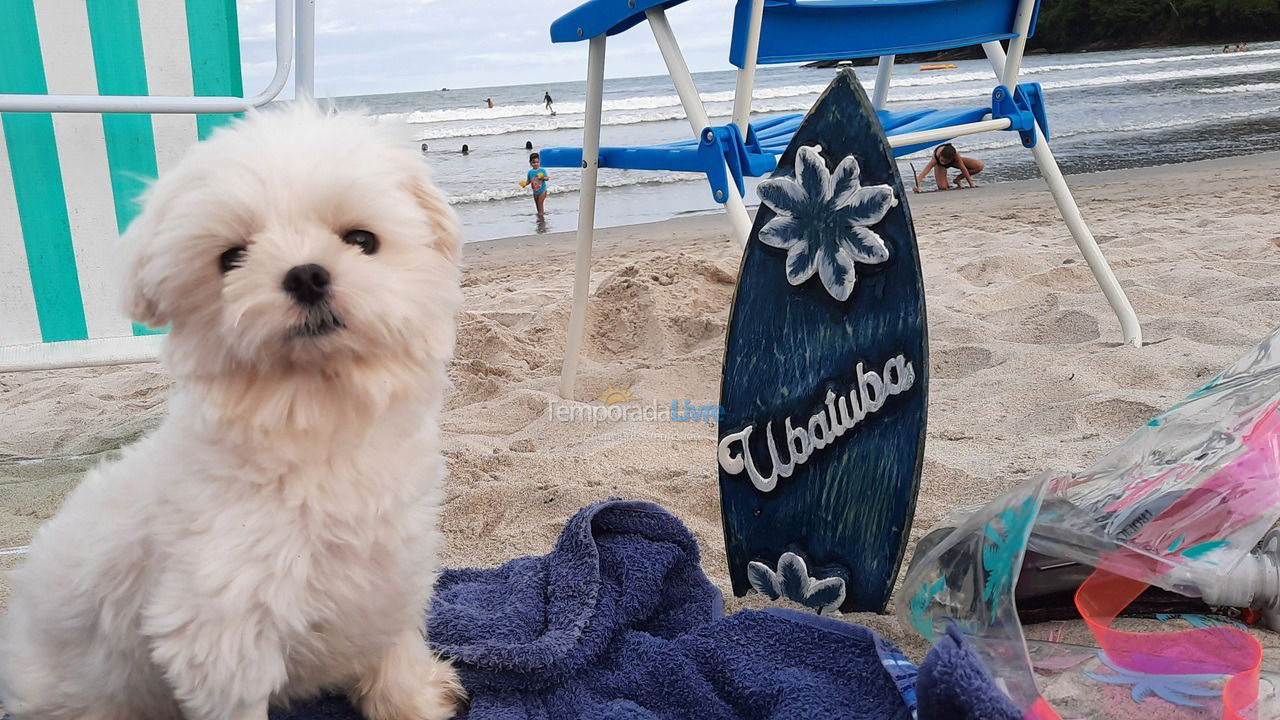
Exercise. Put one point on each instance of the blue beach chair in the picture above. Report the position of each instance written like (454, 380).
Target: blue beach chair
(788, 31)
(97, 97)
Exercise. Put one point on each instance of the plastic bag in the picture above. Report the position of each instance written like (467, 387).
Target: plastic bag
(1178, 504)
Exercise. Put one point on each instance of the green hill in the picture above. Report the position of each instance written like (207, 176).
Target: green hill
(1076, 24)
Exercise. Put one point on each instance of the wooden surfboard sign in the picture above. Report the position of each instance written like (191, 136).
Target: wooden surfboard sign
(825, 382)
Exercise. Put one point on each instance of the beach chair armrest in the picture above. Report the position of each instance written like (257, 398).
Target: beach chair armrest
(602, 17)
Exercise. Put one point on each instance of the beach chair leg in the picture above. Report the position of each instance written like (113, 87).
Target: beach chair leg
(586, 215)
(739, 219)
(694, 110)
(1084, 240)
(884, 71)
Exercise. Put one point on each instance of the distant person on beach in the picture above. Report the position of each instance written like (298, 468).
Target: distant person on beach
(528, 144)
(424, 148)
(537, 180)
(490, 102)
(946, 157)
(1242, 47)
(1226, 48)
(546, 100)
(465, 150)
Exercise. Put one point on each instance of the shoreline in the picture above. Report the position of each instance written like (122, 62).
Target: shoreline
(607, 236)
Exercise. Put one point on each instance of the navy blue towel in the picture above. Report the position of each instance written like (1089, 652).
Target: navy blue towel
(618, 622)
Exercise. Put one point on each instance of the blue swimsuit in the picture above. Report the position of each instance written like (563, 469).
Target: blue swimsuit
(541, 175)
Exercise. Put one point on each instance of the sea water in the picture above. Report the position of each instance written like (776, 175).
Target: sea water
(1107, 110)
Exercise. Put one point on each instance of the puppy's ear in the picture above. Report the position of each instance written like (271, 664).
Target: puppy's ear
(442, 221)
(141, 276)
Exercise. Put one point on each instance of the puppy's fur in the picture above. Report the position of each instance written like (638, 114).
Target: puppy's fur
(277, 533)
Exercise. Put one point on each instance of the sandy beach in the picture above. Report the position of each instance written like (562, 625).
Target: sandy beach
(1028, 371)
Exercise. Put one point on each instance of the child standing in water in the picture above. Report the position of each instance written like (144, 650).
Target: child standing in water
(537, 180)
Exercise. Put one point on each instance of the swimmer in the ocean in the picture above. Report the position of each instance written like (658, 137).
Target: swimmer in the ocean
(537, 180)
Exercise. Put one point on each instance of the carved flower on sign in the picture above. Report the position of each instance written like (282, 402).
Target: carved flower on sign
(823, 221)
(792, 581)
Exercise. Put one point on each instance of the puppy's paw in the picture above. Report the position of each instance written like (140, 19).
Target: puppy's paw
(411, 684)
(441, 696)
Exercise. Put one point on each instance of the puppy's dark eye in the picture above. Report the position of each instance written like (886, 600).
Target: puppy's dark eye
(363, 239)
(232, 259)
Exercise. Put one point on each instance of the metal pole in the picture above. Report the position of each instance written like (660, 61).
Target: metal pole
(1018, 44)
(952, 131)
(586, 214)
(304, 77)
(1070, 211)
(679, 71)
(884, 69)
(694, 110)
(1084, 240)
(747, 73)
(995, 56)
(166, 105)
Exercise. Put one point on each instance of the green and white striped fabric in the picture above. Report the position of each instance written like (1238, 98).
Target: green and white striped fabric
(68, 182)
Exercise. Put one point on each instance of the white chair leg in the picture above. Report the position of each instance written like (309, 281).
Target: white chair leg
(884, 71)
(739, 219)
(586, 215)
(694, 110)
(1084, 240)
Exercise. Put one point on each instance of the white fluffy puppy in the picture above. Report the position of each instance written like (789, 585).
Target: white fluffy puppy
(277, 533)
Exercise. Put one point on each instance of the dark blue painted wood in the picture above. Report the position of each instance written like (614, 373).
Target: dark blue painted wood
(848, 509)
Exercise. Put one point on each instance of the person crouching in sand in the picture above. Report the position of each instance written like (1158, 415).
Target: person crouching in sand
(537, 180)
(947, 157)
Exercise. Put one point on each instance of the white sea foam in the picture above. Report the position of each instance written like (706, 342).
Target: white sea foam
(605, 181)
(531, 111)
(1249, 88)
(795, 98)
(643, 102)
(990, 141)
(1226, 57)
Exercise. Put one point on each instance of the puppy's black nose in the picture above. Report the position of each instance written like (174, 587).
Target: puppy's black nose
(308, 284)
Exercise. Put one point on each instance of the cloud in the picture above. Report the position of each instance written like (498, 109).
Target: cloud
(381, 46)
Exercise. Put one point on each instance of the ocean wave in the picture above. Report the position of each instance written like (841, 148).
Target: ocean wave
(796, 98)
(644, 102)
(1033, 69)
(605, 181)
(532, 111)
(988, 141)
(1254, 87)
(978, 144)
(552, 123)
(641, 102)
(994, 141)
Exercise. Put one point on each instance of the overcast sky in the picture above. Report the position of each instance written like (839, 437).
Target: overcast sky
(381, 46)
